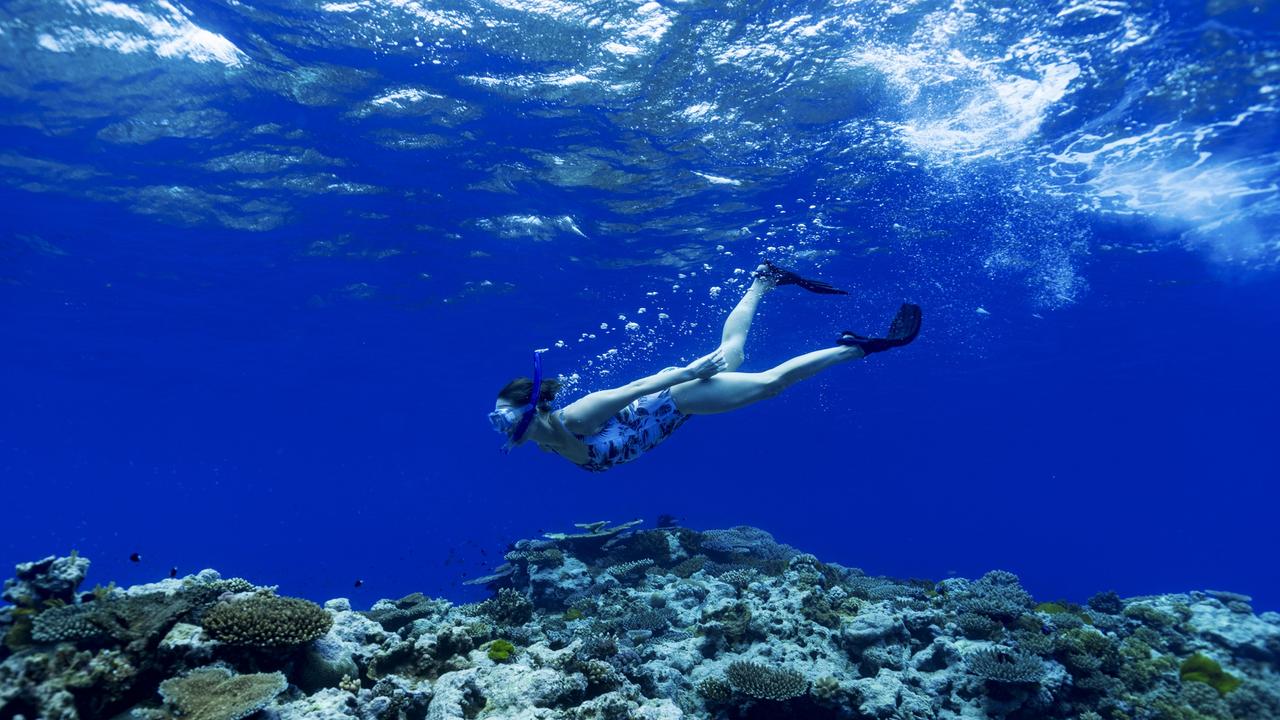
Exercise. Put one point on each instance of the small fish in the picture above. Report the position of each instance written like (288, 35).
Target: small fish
(135, 557)
(359, 582)
(173, 572)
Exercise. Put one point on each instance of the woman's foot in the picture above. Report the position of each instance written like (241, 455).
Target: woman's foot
(764, 279)
(904, 328)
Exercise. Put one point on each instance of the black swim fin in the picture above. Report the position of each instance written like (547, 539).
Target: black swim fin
(904, 328)
(781, 276)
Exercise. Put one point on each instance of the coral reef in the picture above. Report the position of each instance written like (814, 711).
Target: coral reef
(622, 623)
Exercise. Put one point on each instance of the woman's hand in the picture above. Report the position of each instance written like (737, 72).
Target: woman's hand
(707, 365)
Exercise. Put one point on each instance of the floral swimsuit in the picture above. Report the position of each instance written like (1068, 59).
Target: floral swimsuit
(638, 427)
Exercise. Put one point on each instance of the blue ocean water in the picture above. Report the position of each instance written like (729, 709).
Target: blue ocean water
(265, 264)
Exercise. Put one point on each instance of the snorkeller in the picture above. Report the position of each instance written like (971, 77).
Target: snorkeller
(614, 426)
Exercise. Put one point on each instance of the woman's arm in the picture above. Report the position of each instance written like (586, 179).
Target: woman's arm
(586, 414)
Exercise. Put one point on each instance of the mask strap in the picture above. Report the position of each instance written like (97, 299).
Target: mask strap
(531, 410)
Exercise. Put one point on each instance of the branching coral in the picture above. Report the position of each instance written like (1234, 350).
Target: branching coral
(996, 595)
(508, 607)
(266, 621)
(766, 683)
(654, 620)
(1106, 602)
(1005, 667)
(67, 623)
(715, 690)
(635, 567)
(977, 627)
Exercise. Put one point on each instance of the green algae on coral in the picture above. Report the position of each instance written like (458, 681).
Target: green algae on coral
(500, 651)
(1204, 669)
(1061, 608)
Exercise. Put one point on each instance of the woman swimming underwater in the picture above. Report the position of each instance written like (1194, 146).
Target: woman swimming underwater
(611, 427)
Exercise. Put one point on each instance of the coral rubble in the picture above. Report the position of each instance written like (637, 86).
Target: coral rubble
(618, 623)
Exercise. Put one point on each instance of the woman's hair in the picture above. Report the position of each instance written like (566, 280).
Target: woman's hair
(517, 392)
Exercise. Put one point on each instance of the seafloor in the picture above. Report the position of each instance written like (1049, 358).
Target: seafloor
(619, 623)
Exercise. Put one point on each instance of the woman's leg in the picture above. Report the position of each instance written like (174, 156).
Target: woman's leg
(731, 390)
(738, 324)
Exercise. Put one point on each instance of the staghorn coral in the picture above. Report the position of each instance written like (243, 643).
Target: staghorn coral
(1106, 602)
(69, 623)
(266, 621)
(765, 683)
(630, 567)
(654, 620)
(996, 595)
(547, 556)
(1005, 667)
(508, 607)
(715, 690)
(739, 578)
(977, 627)
(216, 693)
(826, 687)
(1087, 650)
(687, 567)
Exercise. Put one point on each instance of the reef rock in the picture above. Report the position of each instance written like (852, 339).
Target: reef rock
(53, 578)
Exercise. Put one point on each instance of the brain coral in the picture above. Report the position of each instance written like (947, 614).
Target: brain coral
(266, 621)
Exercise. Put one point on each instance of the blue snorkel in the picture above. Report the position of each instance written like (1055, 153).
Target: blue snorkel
(530, 410)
